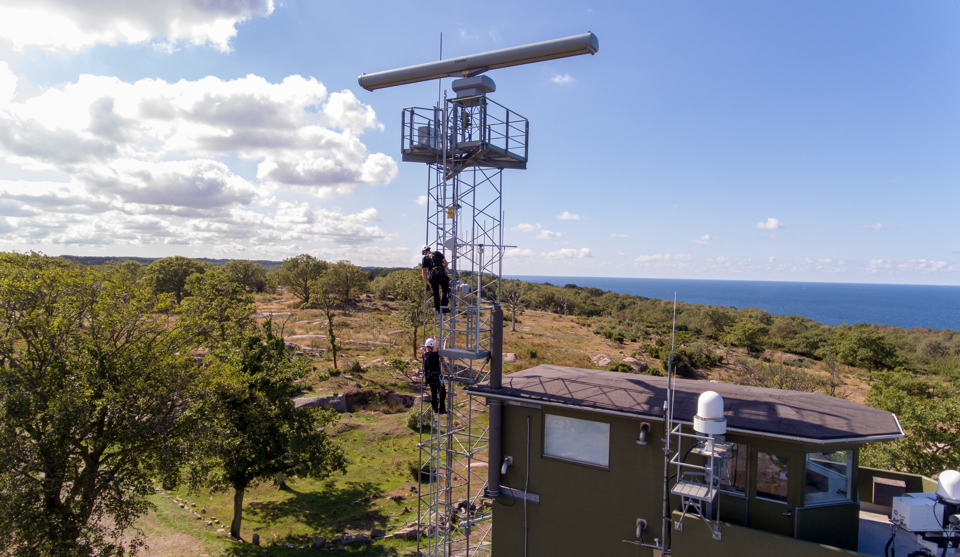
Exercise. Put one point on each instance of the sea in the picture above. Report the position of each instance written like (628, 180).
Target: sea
(900, 305)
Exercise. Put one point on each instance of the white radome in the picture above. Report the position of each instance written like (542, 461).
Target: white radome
(709, 418)
(948, 486)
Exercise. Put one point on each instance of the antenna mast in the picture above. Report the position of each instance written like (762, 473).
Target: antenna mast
(466, 141)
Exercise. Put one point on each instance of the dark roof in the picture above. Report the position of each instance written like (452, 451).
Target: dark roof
(810, 417)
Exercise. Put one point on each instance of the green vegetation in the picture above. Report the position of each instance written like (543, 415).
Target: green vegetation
(120, 378)
(260, 432)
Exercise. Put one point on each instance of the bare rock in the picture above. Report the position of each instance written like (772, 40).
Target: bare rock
(255, 539)
(318, 542)
(338, 403)
(361, 538)
(407, 533)
(601, 360)
(510, 357)
(378, 533)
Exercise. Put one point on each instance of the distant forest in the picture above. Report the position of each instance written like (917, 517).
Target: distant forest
(266, 264)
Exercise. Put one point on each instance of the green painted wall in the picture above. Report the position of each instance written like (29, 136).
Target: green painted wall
(830, 525)
(585, 510)
(737, 541)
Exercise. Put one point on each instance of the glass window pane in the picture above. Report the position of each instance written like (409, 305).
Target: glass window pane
(579, 440)
(828, 477)
(772, 476)
(733, 470)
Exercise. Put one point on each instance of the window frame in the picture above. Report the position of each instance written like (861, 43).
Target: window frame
(544, 454)
(756, 476)
(845, 500)
(744, 449)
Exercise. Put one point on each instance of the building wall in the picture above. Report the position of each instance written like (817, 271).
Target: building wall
(583, 510)
(586, 510)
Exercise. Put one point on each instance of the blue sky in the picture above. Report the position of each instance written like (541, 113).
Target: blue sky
(806, 141)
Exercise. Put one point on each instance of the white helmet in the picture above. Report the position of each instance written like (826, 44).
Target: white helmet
(424, 248)
(428, 343)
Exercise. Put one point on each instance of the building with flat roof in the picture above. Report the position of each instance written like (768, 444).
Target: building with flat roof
(582, 456)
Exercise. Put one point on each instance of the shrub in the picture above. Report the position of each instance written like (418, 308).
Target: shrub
(355, 368)
(420, 474)
(328, 372)
(418, 422)
(533, 352)
(621, 367)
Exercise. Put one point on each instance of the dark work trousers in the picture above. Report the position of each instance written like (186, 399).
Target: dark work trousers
(441, 287)
(438, 396)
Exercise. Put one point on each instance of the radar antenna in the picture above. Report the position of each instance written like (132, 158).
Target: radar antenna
(466, 141)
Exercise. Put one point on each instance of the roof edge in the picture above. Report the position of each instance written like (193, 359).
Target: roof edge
(807, 440)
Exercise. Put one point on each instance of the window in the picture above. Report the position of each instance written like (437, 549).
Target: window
(577, 440)
(828, 478)
(772, 476)
(733, 469)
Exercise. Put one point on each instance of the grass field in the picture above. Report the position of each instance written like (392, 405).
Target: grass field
(378, 490)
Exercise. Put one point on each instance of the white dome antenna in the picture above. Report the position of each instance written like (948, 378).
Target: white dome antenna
(948, 486)
(709, 419)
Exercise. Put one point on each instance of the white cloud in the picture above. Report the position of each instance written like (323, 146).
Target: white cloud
(772, 259)
(877, 226)
(69, 214)
(824, 261)
(908, 266)
(568, 216)
(421, 200)
(922, 265)
(75, 24)
(518, 252)
(564, 79)
(619, 235)
(548, 235)
(569, 253)
(703, 240)
(664, 257)
(770, 224)
(525, 227)
(147, 163)
(99, 124)
(621, 254)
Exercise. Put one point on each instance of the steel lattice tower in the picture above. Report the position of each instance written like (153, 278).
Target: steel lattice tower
(467, 143)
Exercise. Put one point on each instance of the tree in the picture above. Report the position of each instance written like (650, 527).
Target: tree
(718, 319)
(929, 416)
(98, 398)
(863, 346)
(250, 275)
(746, 332)
(324, 299)
(515, 302)
(169, 275)
(261, 432)
(298, 273)
(343, 280)
(410, 302)
(219, 306)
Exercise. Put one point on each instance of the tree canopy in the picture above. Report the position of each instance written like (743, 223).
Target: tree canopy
(262, 433)
(169, 275)
(97, 399)
(297, 273)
